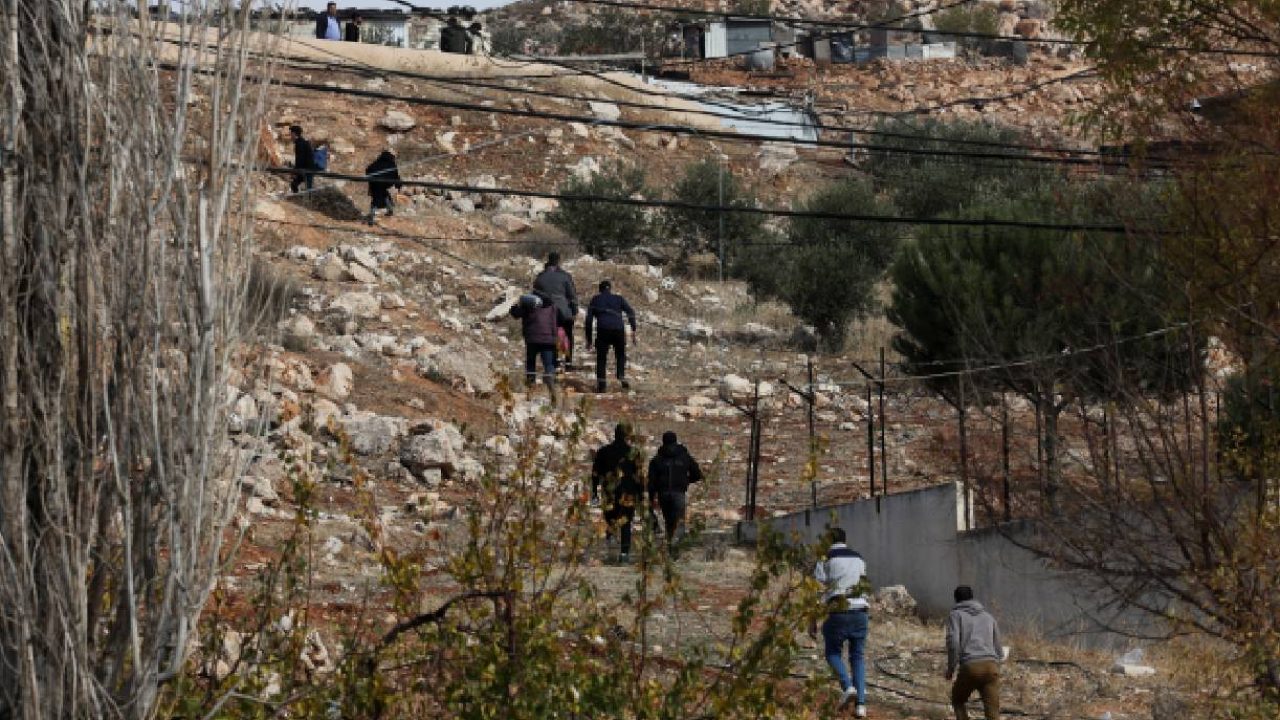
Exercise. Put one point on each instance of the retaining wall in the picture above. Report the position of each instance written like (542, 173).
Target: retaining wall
(917, 539)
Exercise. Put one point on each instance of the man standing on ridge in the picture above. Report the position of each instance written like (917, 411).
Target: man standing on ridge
(353, 29)
(327, 27)
(843, 574)
(671, 471)
(557, 284)
(614, 313)
(973, 646)
(615, 470)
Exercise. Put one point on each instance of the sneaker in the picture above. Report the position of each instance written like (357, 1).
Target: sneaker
(847, 697)
(860, 711)
(600, 387)
(624, 558)
(625, 385)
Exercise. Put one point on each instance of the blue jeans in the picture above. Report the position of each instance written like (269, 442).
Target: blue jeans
(534, 352)
(850, 627)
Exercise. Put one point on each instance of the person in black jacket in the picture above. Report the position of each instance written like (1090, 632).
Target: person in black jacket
(327, 27)
(613, 313)
(671, 471)
(383, 174)
(615, 470)
(304, 158)
(353, 29)
(558, 284)
(453, 37)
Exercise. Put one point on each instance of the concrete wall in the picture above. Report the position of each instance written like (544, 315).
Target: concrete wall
(917, 539)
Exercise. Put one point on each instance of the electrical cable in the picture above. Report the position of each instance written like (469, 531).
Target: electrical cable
(748, 210)
(689, 130)
(469, 82)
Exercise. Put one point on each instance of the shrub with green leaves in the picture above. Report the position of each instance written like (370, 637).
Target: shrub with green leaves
(928, 185)
(827, 270)
(708, 183)
(604, 228)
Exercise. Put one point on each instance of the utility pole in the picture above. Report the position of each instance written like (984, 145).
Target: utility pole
(720, 212)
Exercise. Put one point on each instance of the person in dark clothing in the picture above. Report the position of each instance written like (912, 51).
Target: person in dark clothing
(613, 313)
(453, 37)
(671, 471)
(558, 285)
(353, 29)
(615, 470)
(538, 326)
(327, 27)
(383, 175)
(304, 158)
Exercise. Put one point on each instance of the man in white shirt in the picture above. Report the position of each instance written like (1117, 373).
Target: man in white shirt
(327, 26)
(843, 575)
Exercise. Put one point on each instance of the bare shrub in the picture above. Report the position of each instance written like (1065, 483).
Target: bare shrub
(126, 146)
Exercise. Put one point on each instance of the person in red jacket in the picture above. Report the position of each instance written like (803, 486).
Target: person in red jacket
(538, 325)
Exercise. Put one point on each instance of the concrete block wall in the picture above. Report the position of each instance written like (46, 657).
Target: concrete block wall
(918, 539)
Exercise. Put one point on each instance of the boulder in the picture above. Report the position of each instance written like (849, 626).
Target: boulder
(776, 158)
(331, 268)
(361, 274)
(461, 364)
(1029, 29)
(299, 328)
(695, 330)
(579, 130)
(353, 254)
(336, 382)
(510, 223)
(322, 411)
(893, 600)
(302, 252)
(444, 141)
(397, 121)
(753, 333)
(357, 304)
(439, 448)
(392, 301)
(372, 434)
(605, 111)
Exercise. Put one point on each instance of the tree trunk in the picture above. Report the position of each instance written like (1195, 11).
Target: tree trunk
(1052, 478)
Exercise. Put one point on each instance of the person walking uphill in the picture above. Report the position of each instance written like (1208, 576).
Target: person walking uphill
(383, 174)
(974, 652)
(538, 326)
(613, 313)
(304, 158)
(615, 470)
(843, 574)
(671, 471)
(558, 285)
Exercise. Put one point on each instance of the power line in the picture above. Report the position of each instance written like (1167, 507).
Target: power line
(680, 205)
(689, 130)
(470, 82)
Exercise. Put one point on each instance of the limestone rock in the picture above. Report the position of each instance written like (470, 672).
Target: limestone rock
(510, 223)
(461, 364)
(331, 268)
(440, 448)
(336, 382)
(397, 121)
(893, 600)
(605, 111)
(357, 304)
(372, 434)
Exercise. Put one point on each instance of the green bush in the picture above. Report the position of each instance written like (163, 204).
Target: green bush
(827, 269)
(707, 183)
(604, 228)
(981, 19)
(930, 185)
